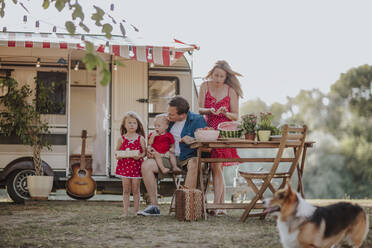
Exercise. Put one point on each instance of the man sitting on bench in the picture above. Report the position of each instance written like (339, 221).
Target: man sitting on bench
(183, 124)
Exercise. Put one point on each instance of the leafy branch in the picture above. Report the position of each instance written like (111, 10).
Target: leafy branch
(92, 59)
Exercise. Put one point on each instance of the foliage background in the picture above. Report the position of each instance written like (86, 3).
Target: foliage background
(340, 163)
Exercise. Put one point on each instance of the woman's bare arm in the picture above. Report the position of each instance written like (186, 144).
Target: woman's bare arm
(234, 106)
(202, 93)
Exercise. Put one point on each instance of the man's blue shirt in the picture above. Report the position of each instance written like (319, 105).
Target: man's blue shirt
(193, 122)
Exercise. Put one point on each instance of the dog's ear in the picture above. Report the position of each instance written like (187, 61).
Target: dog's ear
(287, 187)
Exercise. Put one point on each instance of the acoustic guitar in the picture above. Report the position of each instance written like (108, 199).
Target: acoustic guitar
(81, 184)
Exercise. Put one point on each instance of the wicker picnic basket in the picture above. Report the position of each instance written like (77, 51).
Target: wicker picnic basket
(189, 204)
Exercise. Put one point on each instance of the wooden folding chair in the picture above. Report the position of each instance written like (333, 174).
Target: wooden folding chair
(291, 137)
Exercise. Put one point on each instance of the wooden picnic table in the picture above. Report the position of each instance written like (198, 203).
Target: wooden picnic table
(243, 144)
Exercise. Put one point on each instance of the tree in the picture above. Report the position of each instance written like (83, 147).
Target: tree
(340, 122)
(351, 107)
(92, 59)
(76, 15)
(354, 88)
(257, 106)
(253, 106)
(21, 118)
(308, 107)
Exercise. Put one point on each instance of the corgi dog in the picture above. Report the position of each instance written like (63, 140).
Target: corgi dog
(302, 224)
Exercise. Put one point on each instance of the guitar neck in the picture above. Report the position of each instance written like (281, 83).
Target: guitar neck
(82, 157)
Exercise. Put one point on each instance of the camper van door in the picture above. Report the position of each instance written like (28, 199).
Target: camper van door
(129, 84)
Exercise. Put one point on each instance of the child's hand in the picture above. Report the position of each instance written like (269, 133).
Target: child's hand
(155, 153)
(154, 133)
(137, 157)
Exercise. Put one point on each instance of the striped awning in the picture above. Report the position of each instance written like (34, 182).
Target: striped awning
(159, 53)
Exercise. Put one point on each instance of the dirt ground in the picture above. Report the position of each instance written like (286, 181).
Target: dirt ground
(96, 224)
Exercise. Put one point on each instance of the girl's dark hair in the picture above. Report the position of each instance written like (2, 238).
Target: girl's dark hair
(134, 115)
(180, 103)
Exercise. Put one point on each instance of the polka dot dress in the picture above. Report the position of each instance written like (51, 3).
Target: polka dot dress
(129, 167)
(214, 120)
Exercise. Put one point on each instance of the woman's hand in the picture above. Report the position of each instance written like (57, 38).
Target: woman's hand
(212, 111)
(217, 112)
(222, 110)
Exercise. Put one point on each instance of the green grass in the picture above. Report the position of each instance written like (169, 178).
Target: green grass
(96, 224)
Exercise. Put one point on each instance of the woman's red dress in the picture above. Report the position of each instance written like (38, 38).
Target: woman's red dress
(214, 120)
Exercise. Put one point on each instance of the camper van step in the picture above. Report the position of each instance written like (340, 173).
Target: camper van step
(96, 178)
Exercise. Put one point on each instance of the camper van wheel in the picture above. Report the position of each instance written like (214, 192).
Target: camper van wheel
(17, 185)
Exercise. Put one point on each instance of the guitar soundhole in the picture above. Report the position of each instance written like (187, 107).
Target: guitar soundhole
(82, 173)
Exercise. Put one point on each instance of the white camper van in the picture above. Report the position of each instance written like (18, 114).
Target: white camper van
(151, 75)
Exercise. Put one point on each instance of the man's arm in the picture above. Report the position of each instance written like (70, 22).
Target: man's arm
(197, 123)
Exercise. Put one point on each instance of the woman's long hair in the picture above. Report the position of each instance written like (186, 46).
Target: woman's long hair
(231, 76)
(134, 115)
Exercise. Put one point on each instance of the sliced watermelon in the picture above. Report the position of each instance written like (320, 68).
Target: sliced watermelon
(229, 126)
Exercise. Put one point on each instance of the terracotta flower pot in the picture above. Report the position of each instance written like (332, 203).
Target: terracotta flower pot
(250, 136)
(263, 135)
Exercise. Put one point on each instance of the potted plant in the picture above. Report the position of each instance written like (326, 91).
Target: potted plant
(21, 117)
(265, 126)
(249, 123)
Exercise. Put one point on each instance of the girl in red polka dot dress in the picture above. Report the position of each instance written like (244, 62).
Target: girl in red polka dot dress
(129, 168)
(219, 102)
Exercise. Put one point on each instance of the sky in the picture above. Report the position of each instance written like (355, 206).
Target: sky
(280, 47)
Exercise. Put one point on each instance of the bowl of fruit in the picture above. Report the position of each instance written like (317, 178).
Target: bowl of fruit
(206, 134)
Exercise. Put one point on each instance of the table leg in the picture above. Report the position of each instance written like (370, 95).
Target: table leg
(298, 170)
(201, 185)
(300, 185)
(299, 173)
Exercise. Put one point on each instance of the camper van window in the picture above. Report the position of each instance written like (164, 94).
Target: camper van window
(161, 90)
(4, 74)
(57, 96)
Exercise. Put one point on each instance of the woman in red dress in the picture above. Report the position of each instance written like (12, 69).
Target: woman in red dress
(219, 102)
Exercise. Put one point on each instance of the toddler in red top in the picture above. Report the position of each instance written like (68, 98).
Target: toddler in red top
(162, 144)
